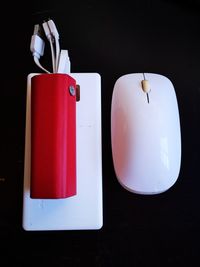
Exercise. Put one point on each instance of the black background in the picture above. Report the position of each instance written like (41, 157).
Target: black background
(112, 39)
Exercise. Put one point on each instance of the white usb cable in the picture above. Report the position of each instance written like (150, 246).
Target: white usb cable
(37, 46)
(60, 58)
(50, 38)
(55, 35)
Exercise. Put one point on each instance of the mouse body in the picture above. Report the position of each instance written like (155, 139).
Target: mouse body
(145, 133)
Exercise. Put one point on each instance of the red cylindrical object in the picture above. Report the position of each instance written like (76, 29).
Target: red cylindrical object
(53, 136)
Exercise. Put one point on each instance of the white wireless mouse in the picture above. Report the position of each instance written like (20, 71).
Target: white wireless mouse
(145, 133)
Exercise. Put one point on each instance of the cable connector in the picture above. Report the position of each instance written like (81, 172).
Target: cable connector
(37, 43)
(38, 30)
(55, 35)
(47, 30)
(64, 62)
(52, 35)
(53, 28)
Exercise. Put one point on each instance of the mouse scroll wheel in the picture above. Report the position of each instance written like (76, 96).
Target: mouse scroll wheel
(145, 86)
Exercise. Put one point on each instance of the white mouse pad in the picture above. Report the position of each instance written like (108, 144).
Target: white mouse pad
(85, 210)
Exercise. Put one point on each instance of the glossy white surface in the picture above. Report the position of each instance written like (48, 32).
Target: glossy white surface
(85, 210)
(146, 137)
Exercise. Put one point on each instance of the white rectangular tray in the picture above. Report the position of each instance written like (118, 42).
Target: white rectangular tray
(83, 211)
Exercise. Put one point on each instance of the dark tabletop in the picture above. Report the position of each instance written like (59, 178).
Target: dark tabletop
(112, 39)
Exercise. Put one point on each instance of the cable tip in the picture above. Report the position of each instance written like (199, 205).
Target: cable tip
(38, 30)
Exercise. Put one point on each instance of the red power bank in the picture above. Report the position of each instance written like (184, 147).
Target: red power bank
(53, 136)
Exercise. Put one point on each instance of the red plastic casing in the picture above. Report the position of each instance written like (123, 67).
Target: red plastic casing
(53, 136)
